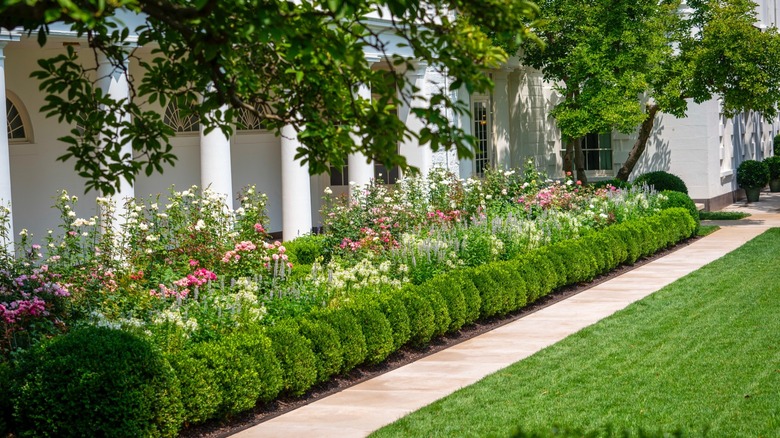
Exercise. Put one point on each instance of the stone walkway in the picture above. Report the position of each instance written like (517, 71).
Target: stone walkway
(363, 408)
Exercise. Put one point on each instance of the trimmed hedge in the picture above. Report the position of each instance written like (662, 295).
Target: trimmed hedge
(231, 374)
(661, 181)
(96, 381)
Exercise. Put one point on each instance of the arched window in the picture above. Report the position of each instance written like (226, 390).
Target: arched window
(180, 122)
(18, 124)
(247, 121)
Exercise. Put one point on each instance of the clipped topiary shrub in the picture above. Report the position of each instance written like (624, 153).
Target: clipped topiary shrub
(676, 199)
(96, 382)
(234, 373)
(353, 343)
(200, 393)
(752, 174)
(376, 329)
(773, 164)
(422, 322)
(392, 305)
(461, 280)
(258, 347)
(299, 369)
(491, 298)
(305, 249)
(661, 181)
(326, 346)
(453, 298)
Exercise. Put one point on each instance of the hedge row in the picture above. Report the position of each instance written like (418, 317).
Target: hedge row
(97, 379)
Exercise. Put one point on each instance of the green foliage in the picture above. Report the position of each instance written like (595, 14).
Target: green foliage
(773, 163)
(614, 182)
(353, 342)
(453, 297)
(325, 344)
(422, 322)
(200, 392)
(495, 290)
(394, 309)
(376, 329)
(776, 145)
(6, 406)
(306, 249)
(661, 181)
(255, 344)
(676, 199)
(96, 381)
(752, 174)
(316, 48)
(234, 373)
(297, 360)
(722, 215)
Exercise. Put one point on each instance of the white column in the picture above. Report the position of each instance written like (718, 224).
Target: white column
(296, 188)
(416, 154)
(361, 169)
(215, 168)
(501, 120)
(466, 165)
(113, 81)
(5, 158)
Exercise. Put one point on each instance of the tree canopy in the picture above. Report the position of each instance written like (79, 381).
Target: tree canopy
(618, 63)
(288, 63)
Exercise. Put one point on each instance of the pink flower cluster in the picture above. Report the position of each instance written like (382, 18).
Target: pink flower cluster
(197, 278)
(15, 311)
(371, 240)
(234, 256)
(441, 217)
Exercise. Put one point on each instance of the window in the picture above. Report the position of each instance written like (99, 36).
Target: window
(247, 121)
(381, 174)
(339, 176)
(482, 134)
(597, 149)
(16, 128)
(180, 122)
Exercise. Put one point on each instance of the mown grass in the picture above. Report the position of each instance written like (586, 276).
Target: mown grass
(706, 230)
(722, 215)
(700, 357)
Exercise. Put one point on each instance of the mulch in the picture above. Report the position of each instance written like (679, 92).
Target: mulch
(265, 412)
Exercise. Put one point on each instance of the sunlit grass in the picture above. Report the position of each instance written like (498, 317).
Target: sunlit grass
(699, 357)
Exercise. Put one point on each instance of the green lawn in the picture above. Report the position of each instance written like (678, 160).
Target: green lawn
(700, 357)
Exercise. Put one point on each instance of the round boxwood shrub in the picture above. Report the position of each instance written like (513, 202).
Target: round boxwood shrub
(677, 199)
(200, 393)
(305, 249)
(392, 305)
(234, 374)
(454, 299)
(96, 381)
(661, 181)
(326, 346)
(376, 329)
(422, 323)
(461, 280)
(776, 145)
(752, 174)
(353, 343)
(299, 369)
(773, 164)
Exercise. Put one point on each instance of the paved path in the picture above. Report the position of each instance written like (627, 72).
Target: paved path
(363, 408)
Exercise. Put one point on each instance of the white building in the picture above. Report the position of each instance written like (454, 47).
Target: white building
(511, 125)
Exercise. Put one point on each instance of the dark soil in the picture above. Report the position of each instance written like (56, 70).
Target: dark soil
(261, 413)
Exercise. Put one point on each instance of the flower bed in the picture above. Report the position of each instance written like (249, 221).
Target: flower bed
(241, 320)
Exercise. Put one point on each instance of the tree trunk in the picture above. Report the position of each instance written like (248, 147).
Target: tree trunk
(568, 162)
(579, 161)
(639, 146)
